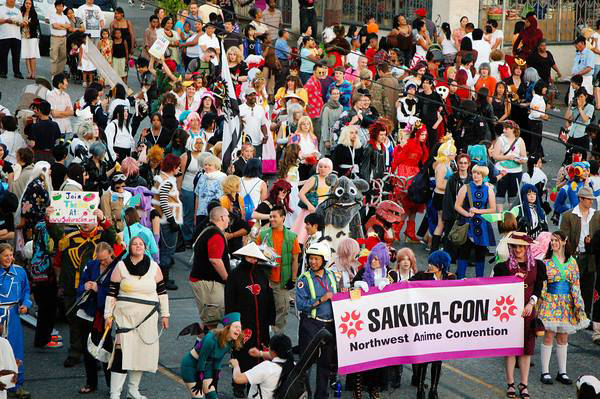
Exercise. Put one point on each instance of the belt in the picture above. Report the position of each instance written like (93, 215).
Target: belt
(559, 288)
(308, 8)
(155, 305)
(323, 320)
(65, 36)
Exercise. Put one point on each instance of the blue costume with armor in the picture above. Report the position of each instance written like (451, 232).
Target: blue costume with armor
(14, 288)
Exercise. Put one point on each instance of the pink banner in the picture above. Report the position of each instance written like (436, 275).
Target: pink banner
(424, 321)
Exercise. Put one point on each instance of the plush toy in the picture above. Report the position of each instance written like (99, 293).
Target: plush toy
(340, 210)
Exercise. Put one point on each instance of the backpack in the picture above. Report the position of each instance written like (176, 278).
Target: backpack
(419, 190)
(249, 205)
(504, 71)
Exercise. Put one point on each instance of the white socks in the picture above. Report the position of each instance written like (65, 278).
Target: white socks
(546, 352)
(561, 356)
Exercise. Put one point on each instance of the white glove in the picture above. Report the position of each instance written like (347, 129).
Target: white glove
(381, 283)
(362, 285)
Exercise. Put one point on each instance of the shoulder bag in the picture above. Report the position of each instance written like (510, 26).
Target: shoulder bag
(458, 233)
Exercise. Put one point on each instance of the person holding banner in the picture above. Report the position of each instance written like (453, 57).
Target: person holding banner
(374, 274)
(437, 269)
(522, 264)
(562, 308)
(314, 291)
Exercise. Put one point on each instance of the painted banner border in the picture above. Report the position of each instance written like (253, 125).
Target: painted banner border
(394, 361)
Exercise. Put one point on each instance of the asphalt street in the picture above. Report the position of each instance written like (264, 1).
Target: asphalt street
(469, 378)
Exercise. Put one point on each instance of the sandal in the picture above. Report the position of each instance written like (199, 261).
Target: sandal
(510, 390)
(523, 387)
(86, 389)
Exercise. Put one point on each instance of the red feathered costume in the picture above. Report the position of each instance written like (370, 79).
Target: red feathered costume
(406, 163)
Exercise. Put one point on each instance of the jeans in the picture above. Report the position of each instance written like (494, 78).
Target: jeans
(167, 246)
(308, 16)
(14, 46)
(187, 199)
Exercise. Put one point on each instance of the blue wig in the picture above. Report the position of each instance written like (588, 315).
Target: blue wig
(383, 255)
(526, 210)
(478, 154)
(440, 259)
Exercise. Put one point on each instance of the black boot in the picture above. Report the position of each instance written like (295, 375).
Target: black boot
(421, 373)
(169, 284)
(435, 242)
(385, 379)
(396, 376)
(414, 381)
(436, 372)
(239, 390)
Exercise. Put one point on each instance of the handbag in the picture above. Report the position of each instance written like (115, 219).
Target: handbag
(311, 196)
(458, 233)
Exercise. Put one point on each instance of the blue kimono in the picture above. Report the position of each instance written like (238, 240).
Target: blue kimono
(14, 287)
(480, 230)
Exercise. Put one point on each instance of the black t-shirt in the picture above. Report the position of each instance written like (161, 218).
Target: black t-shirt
(7, 222)
(44, 133)
(231, 39)
(543, 65)
(251, 46)
(58, 172)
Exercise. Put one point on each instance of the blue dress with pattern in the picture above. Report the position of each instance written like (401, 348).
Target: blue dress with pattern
(480, 230)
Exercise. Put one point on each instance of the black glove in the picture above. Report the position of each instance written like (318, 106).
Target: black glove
(290, 285)
(197, 388)
(555, 218)
(173, 224)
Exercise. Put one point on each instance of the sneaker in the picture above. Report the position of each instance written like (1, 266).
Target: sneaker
(171, 286)
(20, 393)
(142, 6)
(56, 338)
(53, 345)
(19, 76)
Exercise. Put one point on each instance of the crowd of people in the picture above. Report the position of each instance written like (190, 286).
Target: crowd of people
(348, 139)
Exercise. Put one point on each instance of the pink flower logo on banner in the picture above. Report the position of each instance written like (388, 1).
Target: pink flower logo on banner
(505, 308)
(351, 324)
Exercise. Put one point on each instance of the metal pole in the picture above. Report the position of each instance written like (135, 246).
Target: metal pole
(503, 20)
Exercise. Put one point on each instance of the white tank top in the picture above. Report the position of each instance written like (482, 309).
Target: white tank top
(193, 168)
(251, 186)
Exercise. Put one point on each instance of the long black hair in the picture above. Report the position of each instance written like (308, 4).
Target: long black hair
(446, 30)
(563, 237)
(119, 116)
(34, 23)
(531, 161)
(281, 344)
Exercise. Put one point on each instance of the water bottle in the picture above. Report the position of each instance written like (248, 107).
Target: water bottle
(338, 389)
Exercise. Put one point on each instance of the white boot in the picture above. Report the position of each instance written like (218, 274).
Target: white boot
(116, 384)
(134, 384)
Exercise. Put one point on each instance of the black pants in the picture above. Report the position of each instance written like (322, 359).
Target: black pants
(75, 347)
(308, 17)
(122, 153)
(90, 363)
(535, 139)
(14, 46)
(582, 144)
(326, 361)
(45, 297)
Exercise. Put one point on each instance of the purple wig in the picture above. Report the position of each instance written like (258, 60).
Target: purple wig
(383, 255)
(512, 260)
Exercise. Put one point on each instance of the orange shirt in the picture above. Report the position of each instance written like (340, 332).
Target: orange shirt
(489, 83)
(277, 237)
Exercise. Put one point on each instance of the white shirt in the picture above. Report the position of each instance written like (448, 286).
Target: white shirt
(116, 102)
(585, 226)
(352, 59)
(10, 31)
(7, 362)
(92, 17)
(483, 49)
(537, 107)
(253, 118)
(116, 137)
(266, 374)
(596, 36)
(538, 177)
(58, 19)
(193, 51)
(60, 101)
(13, 141)
(207, 41)
(498, 34)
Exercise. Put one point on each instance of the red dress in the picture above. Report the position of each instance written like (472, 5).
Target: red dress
(405, 165)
